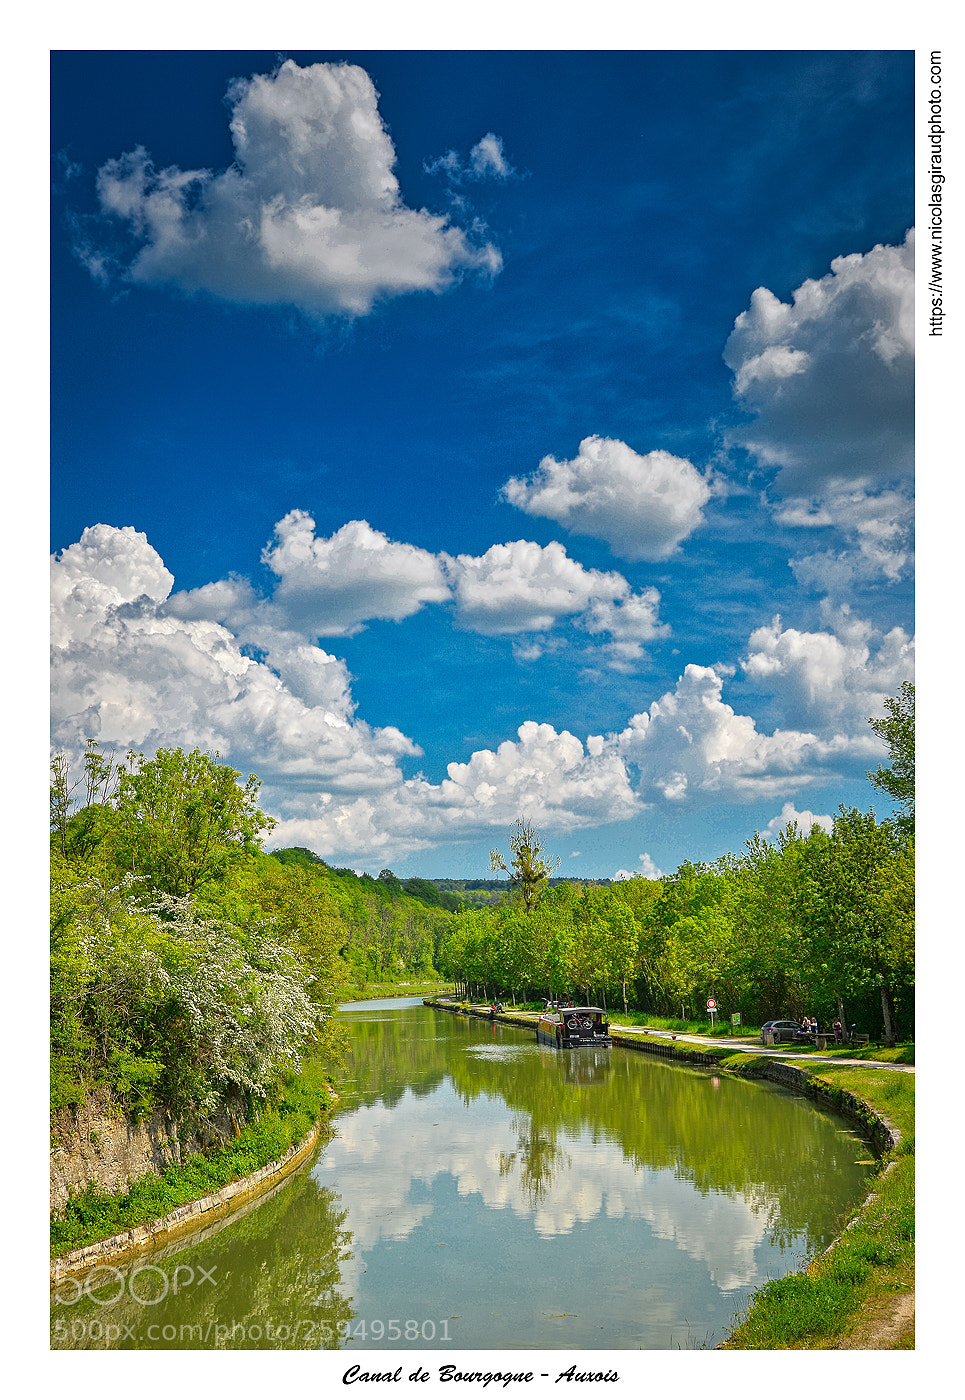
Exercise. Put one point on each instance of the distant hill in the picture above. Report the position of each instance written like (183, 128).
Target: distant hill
(436, 892)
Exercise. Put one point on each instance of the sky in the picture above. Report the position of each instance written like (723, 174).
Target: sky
(452, 437)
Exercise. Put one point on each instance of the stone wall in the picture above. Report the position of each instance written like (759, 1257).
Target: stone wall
(883, 1133)
(189, 1218)
(98, 1144)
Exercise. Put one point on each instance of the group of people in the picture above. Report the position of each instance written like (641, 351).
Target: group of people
(809, 1027)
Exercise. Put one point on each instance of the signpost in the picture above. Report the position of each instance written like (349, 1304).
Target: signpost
(711, 1007)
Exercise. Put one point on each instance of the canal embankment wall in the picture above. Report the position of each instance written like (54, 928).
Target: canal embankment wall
(97, 1143)
(190, 1217)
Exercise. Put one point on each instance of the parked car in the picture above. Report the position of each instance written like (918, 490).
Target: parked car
(780, 1030)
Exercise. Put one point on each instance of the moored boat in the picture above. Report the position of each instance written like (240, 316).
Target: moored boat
(573, 1026)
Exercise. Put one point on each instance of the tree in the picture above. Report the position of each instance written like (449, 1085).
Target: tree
(897, 729)
(856, 939)
(182, 818)
(530, 869)
(78, 832)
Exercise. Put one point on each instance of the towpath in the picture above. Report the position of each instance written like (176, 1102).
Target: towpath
(735, 1043)
(748, 1045)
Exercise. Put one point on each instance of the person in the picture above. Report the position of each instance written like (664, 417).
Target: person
(838, 1032)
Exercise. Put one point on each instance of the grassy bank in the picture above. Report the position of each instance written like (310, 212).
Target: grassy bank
(375, 991)
(96, 1215)
(859, 1294)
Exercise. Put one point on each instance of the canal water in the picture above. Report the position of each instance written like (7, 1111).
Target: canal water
(482, 1191)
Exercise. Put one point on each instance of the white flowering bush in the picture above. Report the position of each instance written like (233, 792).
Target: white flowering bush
(167, 1006)
(235, 1010)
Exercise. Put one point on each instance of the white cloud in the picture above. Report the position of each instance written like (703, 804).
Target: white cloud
(691, 746)
(331, 587)
(647, 868)
(835, 678)
(309, 214)
(130, 671)
(105, 568)
(549, 776)
(805, 822)
(642, 506)
(877, 527)
(127, 672)
(526, 587)
(829, 377)
(324, 586)
(487, 161)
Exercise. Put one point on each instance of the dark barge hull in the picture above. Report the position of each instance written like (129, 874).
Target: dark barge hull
(574, 1027)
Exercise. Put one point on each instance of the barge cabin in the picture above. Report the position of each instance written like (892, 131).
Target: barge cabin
(574, 1026)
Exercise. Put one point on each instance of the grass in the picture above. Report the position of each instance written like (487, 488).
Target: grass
(373, 991)
(872, 1263)
(96, 1215)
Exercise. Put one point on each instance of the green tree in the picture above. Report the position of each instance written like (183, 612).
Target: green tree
(897, 728)
(78, 832)
(529, 868)
(855, 947)
(182, 818)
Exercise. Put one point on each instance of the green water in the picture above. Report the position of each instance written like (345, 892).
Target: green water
(482, 1191)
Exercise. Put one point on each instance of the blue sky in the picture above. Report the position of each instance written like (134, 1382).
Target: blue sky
(448, 437)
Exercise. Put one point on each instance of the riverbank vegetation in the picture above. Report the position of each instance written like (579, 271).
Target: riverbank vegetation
(191, 969)
(859, 1294)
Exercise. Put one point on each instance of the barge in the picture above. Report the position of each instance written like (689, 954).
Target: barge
(574, 1026)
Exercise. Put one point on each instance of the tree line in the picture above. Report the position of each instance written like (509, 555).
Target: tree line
(818, 923)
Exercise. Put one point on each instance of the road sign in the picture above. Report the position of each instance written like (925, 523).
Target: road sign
(711, 1004)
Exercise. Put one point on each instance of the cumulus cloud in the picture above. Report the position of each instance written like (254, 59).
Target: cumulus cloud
(641, 506)
(324, 586)
(131, 675)
(691, 746)
(558, 782)
(837, 677)
(333, 586)
(877, 527)
(131, 667)
(309, 214)
(829, 378)
(526, 587)
(804, 821)
(647, 868)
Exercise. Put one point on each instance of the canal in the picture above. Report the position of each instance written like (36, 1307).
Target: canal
(483, 1191)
